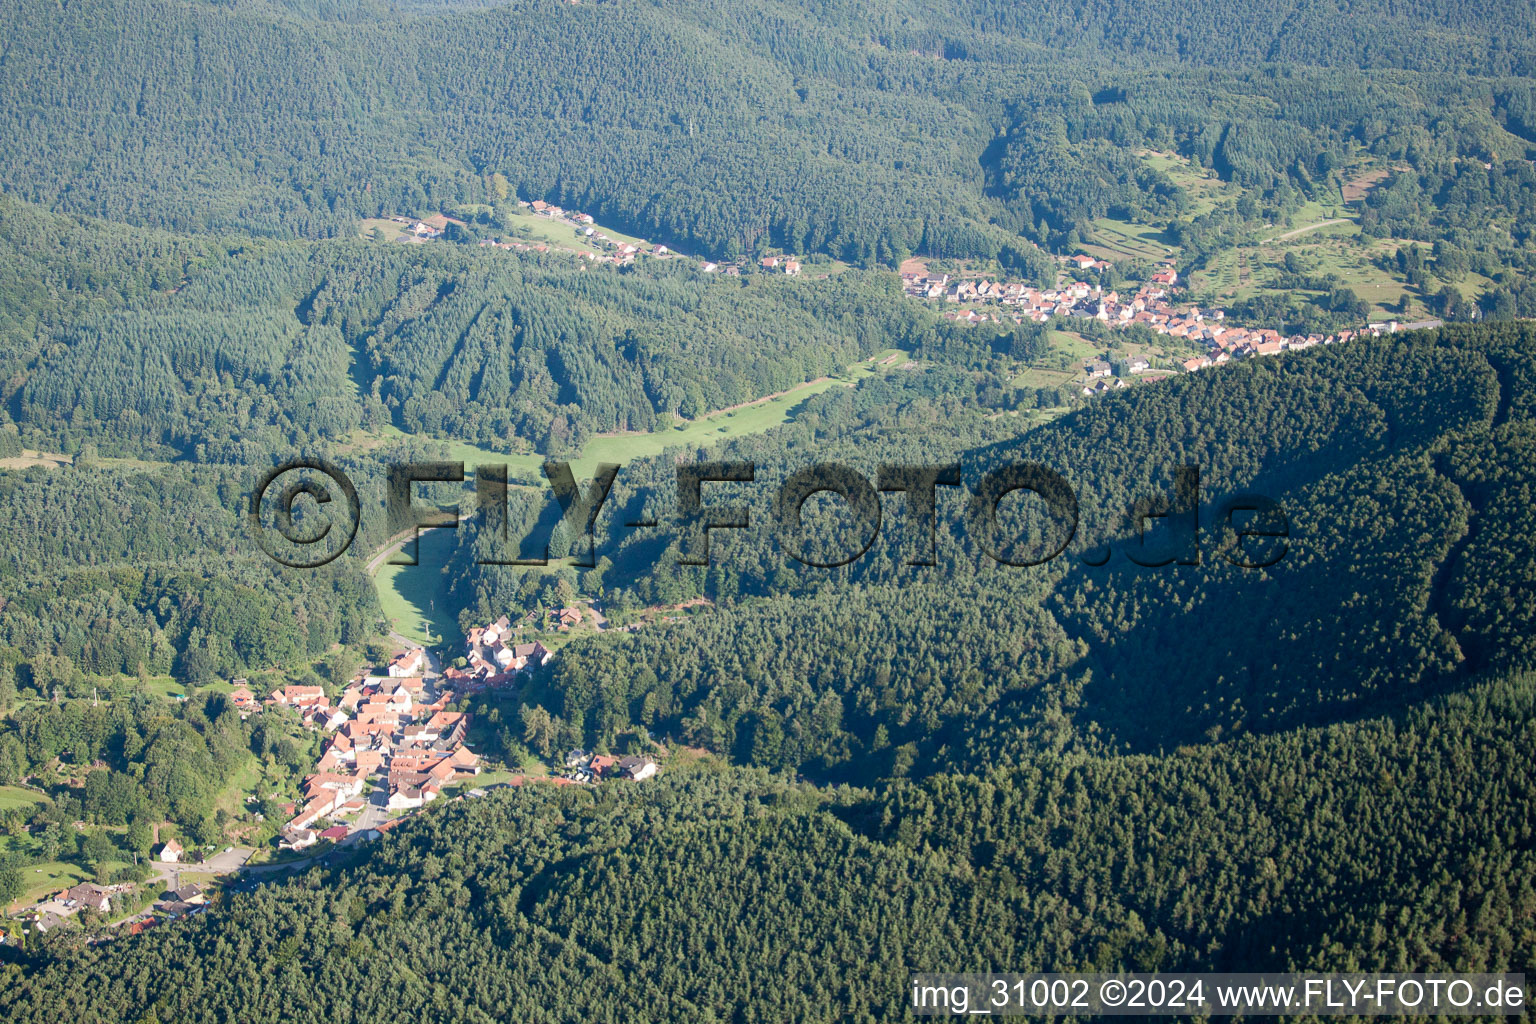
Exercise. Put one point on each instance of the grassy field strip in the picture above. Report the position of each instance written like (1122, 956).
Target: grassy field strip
(1123, 239)
(750, 418)
(12, 797)
(531, 227)
(54, 460)
(1043, 377)
(1308, 228)
(415, 598)
(522, 224)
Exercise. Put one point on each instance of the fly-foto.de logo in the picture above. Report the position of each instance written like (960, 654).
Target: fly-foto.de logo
(306, 513)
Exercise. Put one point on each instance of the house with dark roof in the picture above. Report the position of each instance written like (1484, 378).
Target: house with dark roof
(636, 768)
(88, 894)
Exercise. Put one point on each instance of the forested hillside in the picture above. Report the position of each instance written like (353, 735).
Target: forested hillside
(821, 131)
(713, 895)
(149, 572)
(1401, 575)
(229, 354)
(939, 129)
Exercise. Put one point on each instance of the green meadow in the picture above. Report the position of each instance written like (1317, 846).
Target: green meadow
(751, 418)
(37, 880)
(530, 227)
(1042, 377)
(415, 597)
(13, 797)
(1120, 240)
(1204, 187)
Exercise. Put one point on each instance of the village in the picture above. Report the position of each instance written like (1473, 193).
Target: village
(1151, 306)
(392, 747)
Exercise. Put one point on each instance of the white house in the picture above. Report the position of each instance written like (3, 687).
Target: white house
(637, 768)
(298, 838)
(407, 663)
(405, 798)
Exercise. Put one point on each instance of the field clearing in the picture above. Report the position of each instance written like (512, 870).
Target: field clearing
(1122, 239)
(1205, 189)
(530, 227)
(1311, 217)
(1473, 284)
(58, 460)
(13, 797)
(29, 458)
(202, 878)
(752, 417)
(497, 776)
(160, 686)
(38, 880)
(415, 598)
(1042, 377)
(1358, 187)
(1074, 346)
(522, 225)
(1338, 227)
(245, 781)
(381, 229)
(533, 770)
(165, 686)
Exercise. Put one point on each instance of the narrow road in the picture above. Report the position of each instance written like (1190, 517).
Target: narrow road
(378, 558)
(1309, 227)
(287, 865)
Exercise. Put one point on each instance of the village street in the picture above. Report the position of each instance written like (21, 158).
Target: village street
(222, 863)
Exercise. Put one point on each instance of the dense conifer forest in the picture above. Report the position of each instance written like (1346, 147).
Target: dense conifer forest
(827, 129)
(733, 894)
